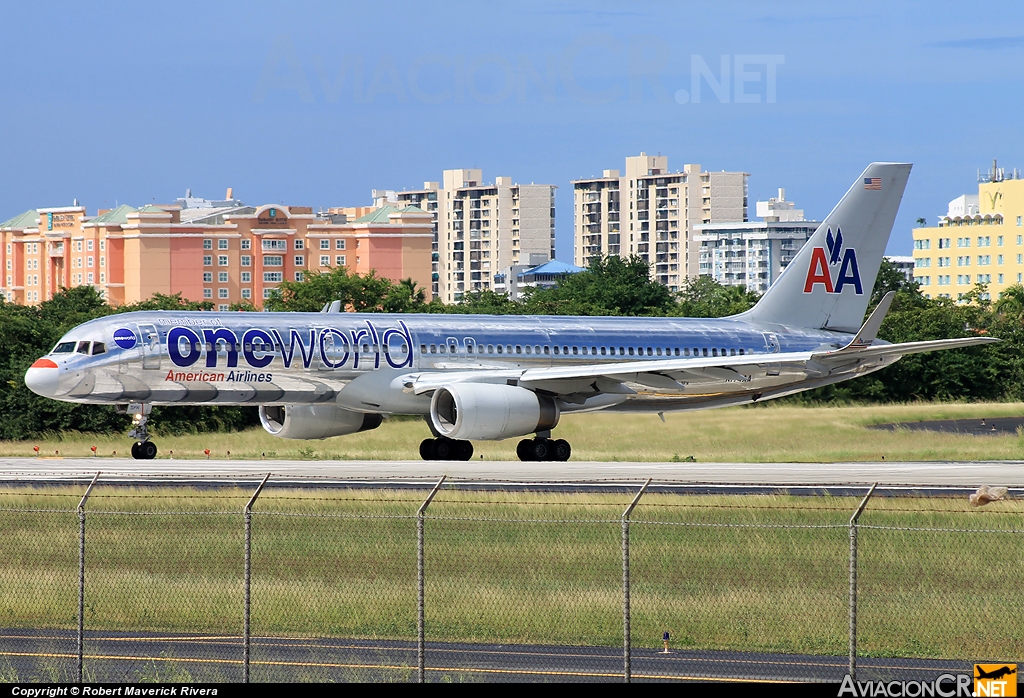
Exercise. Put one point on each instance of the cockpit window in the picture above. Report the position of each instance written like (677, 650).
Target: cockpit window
(83, 347)
(98, 348)
(64, 348)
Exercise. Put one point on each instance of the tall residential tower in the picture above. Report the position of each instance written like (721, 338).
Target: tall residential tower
(651, 212)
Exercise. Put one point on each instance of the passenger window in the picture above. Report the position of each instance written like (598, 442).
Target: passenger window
(536, 349)
(547, 349)
(732, 352)
(440, 348)
(508, 348)
(724, 352)
(650, 351)
(659, 351)
(529, 350)
(622, 351)
(433, 348)
(677, 351)
(686, 351)
(98, 348)
(575, 350)
(452, 348)
(714, 352)
(705, 351)
(565, 350)
(519, 349)
(500, 349)
(603, 350)
(741, 352)
(556, 351)
(631, 351)
(584, 351)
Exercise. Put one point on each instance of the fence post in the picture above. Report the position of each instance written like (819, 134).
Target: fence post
(626, 645)
(420, 639)
(81, 575)
(853, 580)
(248, 579)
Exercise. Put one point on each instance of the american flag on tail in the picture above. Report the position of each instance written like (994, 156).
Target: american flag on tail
(873, 183)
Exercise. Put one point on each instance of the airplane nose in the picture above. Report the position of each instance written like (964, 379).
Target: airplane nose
(42, 377)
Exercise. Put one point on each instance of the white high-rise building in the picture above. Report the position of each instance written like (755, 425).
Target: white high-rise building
(651, 212)
(753, 254)
(482, 228)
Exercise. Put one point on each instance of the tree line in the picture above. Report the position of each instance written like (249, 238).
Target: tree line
(610, 286)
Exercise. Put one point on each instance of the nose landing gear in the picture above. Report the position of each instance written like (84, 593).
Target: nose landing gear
(143, 448)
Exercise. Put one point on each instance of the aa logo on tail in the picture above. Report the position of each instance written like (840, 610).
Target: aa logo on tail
(820, 270)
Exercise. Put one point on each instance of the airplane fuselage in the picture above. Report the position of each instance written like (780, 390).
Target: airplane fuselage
(362, 361)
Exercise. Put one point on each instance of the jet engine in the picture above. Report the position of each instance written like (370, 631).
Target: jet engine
(490, 411)
(314, 421)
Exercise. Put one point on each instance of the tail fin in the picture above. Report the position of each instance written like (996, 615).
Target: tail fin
(828, 284)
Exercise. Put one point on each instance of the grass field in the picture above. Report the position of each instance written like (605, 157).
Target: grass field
(763, 433)
(937, 578)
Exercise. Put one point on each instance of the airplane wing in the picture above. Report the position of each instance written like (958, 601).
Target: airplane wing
(676, 374)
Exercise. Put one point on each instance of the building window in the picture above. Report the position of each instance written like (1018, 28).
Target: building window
(222, 277)
(246, 260)
(273, 260)
(266, 293)
(222, 244)
(270, 277)
(271, 245)
(325, 244)
(88, 261)
(103, 261)
(299, 276)
(300, 244)
(103, 278)
(246, 244)
(325, 260)
(1019, 219)
(207, 277)
(300, 261)
(103, 245)
(207, 244)
(207, 260)
(247, 293)
(222, 260)
(223, 307)
(90, 278)
(246, 277)
(207, 293)
(339, 244)
(222, 293)
(340, 260)
(88, 245)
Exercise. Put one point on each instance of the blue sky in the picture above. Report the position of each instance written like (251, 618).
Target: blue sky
(316, 103)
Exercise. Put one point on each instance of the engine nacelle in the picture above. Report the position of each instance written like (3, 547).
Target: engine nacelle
(490, 411)
(314, 421)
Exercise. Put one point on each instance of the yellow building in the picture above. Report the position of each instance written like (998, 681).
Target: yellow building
(979, 240)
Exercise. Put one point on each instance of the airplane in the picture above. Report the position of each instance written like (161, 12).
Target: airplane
(480, 377)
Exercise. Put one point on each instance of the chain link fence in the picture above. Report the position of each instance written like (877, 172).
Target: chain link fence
(460, 581)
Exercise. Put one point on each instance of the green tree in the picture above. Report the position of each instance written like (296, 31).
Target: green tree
(705, 297)
(610, 286)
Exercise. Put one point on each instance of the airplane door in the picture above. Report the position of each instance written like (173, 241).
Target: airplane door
(150, 346)
(771, 342)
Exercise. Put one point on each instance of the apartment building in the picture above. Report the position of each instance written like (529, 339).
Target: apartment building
(754, 254)
(980, 239)
(224, 252)
(482, 228)
(651, 212)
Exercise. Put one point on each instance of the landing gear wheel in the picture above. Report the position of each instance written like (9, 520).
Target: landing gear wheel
(560, 450)
(148, 450)
(464, 451)
(428, 449)
(525, 450)
(136, 454)
(541, 449)
(443, 449)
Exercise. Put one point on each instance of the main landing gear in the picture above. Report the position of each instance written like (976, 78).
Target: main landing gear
(542, 448)
(443, 448)
(143, 448)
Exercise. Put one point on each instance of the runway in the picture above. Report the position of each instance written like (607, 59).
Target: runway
(515, 473)
(117, 656)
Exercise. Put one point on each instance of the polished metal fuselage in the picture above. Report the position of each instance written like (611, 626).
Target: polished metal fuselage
(365, 362)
